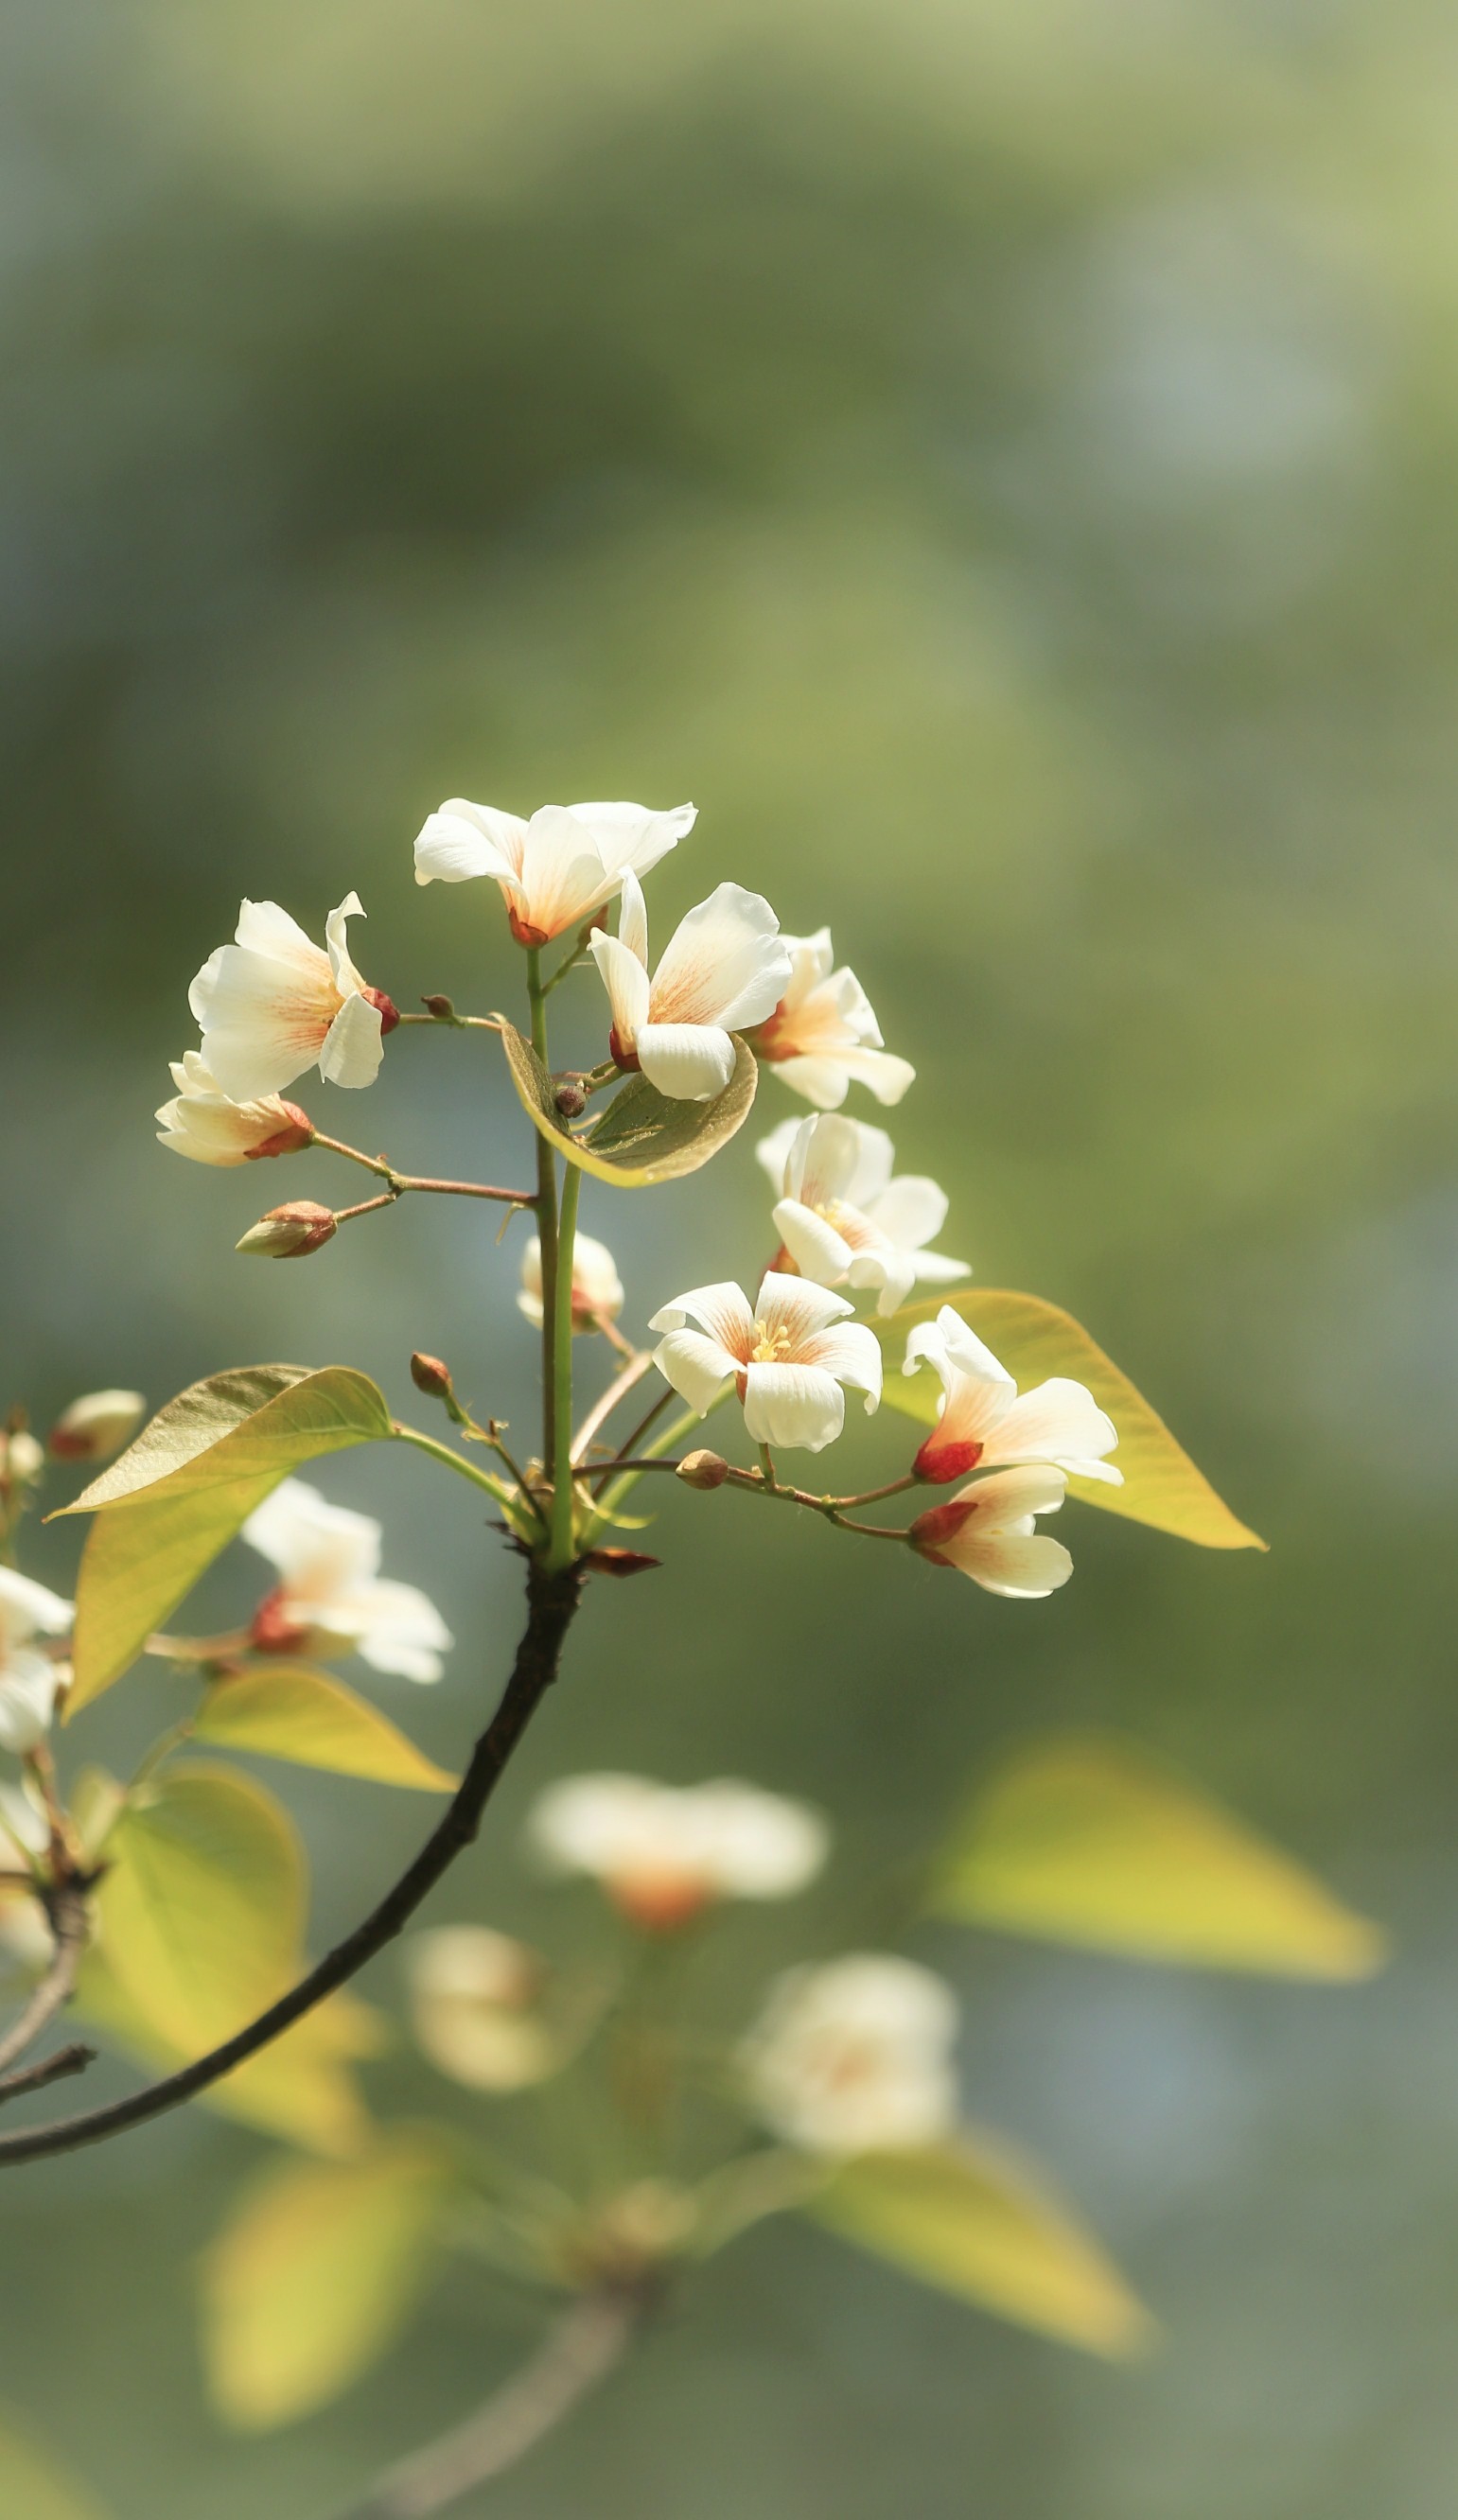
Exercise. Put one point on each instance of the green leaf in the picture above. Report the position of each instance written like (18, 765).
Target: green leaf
(974, 2219)
(34, 2487)
(1086, 1841)
(315, 2275)
(642, 1137)
(178, 1494)
(1162, 1486)
(290, 1711)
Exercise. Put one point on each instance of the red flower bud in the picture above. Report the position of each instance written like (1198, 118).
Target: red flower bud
(431, 1375)
(291, 1231)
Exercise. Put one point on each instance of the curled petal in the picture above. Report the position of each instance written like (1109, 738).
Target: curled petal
(909, 1210)
(627, 983)
(721, 1310)
(336, 931)
(816, 1248)
(354, 1044)
(850, 1351)
(800, 1407)
(632, 921)
(725, 963)
(690, 1062)
(697, 1367)
(464, 841)
(1020, 1567)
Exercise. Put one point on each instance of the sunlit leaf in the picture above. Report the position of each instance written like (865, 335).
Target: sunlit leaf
(971, 2218)
(177, 1496)
(1090, 1842)
(315, 2277)
(643, 1136)
(1034, 1340)
(35, 2486)
(290, 1711)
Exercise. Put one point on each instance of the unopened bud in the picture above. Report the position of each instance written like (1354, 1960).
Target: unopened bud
(289, 1233)
(442, 1008)
(296, 1133)
(22, 1459)
(703, 1469)
(619, 1561)
(429, 1374)
(570, 1101)
(385, 1009)
(96, 1425)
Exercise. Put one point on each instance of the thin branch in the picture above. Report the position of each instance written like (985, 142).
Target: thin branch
(71, 1928)
(602, 1408)
(835, 1509)
(50, 2069)
(552, 1603)
(580, 2351)
(401, 1183)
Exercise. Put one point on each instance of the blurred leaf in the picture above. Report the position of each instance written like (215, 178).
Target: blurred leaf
(190, 1481)
(292, 1712)
(1085, 1841)
(970, 2217)
(33, 2487)
(315, 2277)
(1161, 1484)
(642, 1137)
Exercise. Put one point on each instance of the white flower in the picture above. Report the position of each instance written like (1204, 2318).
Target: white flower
(22, 1459)
(272, 1004)
(856, 2057)
(597, 1288)
(844, 1219)
(329, 1596)
(664, 1852)
(473, 2004)
(723, 968)
(788, 1358)
(96, 1425)
(555, 871)
(204, 1123)
(985, 1422)
(27, 1679)
(987, 1533)
(822, 1036)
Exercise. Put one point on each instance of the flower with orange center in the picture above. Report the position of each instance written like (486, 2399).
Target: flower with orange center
(330, 1597)
(856, 2057)
(987, 1533)
(554, 871)
(664, 1853)
(787, 1357)
(984, 1421)
(823, 1035)
(723, 968)
(843, 1218)
(272, 1004)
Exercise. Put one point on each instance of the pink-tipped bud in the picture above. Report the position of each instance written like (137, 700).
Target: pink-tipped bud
(429, 1374)
(703, 1469)
(386, 1007)
(570, 1101)
(292, 1139)
(96, 1425)
(931, 1532)
(291, 1231)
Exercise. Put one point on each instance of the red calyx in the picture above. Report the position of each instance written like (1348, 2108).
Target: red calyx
(619, 1561)
(662, 1907)
(937, 1462)
(627, 1059)
(389, 1011)
(299, 1133)
(275, 1627)
(932, 1530)
(523, 931)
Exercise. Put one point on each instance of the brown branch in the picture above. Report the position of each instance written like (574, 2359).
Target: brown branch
(580, 2351)
(73, 2060)
(66, 1907)
(551, 1601)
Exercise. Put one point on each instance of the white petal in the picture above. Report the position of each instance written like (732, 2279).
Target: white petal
(318, 1548)
(795, 1306)
(627, 983)
(27, 1609)
(816, 1248)
(936, 1269)
(354, 1045)
(886, 1076)
(336, 932)
(697, 1367)
(404, 1633)
(464, 841)
(28, 1700)
(827, 1159)
(632, 836)
(721, 1309)
(798, 1406)
(265, 1023)
(965, 1351)
(1060, 1419)
(690, 1062)
(811, 961)
(892, 1273)
(909, 1210)
(563, 877)
(872, 1172)
(773, 1152)
(852, 1354)
(824, 1082)
(724, 965)
(1019, 1568)
(265, 929)
(1007, 1498)
(632, 919)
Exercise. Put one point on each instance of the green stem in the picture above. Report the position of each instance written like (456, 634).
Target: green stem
(546, 1221)
(612, 1496)
(464, 1469)
(562, 1428)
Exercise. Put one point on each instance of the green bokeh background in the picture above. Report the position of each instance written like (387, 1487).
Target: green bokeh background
(1001, 462)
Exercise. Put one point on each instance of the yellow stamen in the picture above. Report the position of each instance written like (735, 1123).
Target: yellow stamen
(771, 1347)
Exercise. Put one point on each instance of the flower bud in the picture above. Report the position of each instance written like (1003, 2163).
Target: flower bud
(291, 1231)
(442, 1008)
(570, 1101)
(22, 1459)
(431, 1375)
(703, 1469)
(619, 1561)
(95, 1426)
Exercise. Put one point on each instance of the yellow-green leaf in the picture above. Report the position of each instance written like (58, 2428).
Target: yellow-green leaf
(643, 1136)
(176, 1496)
(1086, 1841)
(974, 2219)
(290, 1711)
(35, 2486)
(315, 2277)
(1034, 1340)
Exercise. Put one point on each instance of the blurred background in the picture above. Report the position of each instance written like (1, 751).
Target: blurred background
(1001, 463)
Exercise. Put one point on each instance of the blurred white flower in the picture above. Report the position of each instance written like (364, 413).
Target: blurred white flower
(558, 868)
(984, 1421)
(330, 1598)
(96, 1425)
(823, 1036)
(474, 1998)
(272, 1004)
(722, 968)
(856, 2057)
(29, 1678)
(597, 1288)
(26, 1939)
(206, 1124)
(844, 1219)
(21, 1458)
(662, 1853)
(987, 1533)
(788, 1358)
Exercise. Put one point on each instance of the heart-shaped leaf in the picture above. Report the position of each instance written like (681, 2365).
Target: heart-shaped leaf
(317, 2272)
(974, 2219)
(177, 1496)
(1087, 1842)
(290, 1711)
(643, 1136)
(1162, 1486)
